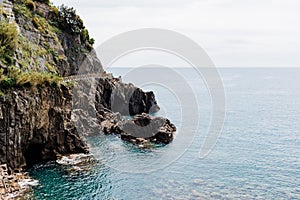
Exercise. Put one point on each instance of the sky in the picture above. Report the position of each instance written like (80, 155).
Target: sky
(234, 33)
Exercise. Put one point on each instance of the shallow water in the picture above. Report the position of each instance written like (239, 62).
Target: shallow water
(256, 157)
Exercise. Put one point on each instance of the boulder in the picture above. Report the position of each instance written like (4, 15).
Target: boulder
(145, 127)
(141, 129)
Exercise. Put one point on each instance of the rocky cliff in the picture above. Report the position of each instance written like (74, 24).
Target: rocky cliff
(40, 44)
(36, 126)
(43, 112)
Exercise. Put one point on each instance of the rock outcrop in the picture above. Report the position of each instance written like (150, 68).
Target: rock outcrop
(144, 128)
(35, 119)
(123, 98)
(115, 99)
(46, 115)
(13, 186)
(110, 106)
(36, 126)
(41, 122)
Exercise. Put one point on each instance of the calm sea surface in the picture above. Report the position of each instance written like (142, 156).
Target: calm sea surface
(257, 155)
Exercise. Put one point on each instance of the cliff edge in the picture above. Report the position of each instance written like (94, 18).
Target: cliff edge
(40, 45)
(42, 48)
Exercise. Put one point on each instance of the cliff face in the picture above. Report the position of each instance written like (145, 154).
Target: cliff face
(35, 111)
(41, 118)
(36, 126)
(124, 98)
(49, 39)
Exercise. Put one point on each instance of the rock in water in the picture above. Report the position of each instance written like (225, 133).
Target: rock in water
(141, 129)
(153, 129)
(115, 101)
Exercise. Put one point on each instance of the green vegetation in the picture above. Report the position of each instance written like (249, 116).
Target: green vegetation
(37, 45)
(8, 41)
(61, 19)
(31, 56)
(30, 51)
(19, 78)
(43, 26)
(2, 11)
(22, 8)
(50, 68)
(70, 22)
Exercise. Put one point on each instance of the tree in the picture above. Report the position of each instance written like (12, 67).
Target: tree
(69, 20)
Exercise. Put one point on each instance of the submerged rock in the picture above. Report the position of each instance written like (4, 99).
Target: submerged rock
(77, 162)
(75, 159)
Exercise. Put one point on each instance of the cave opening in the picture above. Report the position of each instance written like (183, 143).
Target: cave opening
(33, 154)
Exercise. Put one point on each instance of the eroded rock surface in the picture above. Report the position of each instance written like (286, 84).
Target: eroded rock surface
(13, 186)
(36, 126)
(115, 101)
(151, 129)
(43, 123)
(119, 108)
(124, 98)
(142, 128)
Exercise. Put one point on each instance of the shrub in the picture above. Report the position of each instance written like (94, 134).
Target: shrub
(8, 41)
(7, 83)
(2, 76)
(92, 41)
(55, 10)
(21, 10)
(18, 78)
(84, 36)
(41, 24)
(50, 68)
(54, 54)
(8, 59)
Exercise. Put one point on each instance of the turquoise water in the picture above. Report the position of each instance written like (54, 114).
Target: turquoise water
(257, 155)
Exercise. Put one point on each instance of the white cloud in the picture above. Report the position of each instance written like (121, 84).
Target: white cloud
(233, 32)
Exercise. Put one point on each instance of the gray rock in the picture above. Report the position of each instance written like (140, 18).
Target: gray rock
(36, 127)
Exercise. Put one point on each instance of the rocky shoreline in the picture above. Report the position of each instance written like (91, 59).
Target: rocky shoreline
(43, 115)
(119, 108)
(15, 185)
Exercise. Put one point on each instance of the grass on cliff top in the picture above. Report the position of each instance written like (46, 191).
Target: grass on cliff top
(17, 78)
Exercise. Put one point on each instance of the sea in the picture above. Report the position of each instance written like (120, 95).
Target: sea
(255, 155)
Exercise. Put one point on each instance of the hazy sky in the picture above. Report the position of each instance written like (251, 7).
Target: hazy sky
(234, 33)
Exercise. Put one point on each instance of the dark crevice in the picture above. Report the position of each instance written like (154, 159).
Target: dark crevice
(33, 154)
